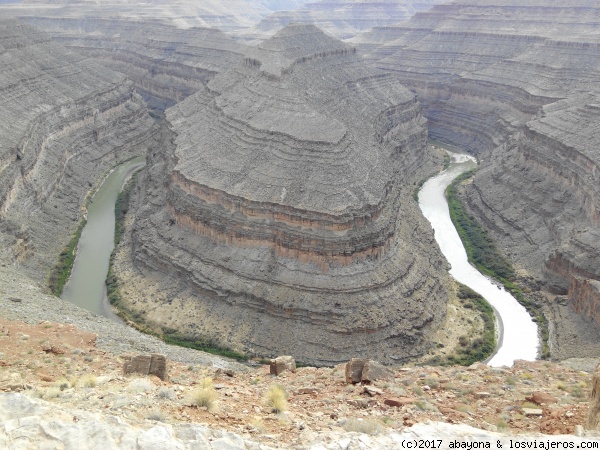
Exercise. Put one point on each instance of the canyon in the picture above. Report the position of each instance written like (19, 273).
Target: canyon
(514, 84)
(66, 122)
(276, 213)
(517, 85)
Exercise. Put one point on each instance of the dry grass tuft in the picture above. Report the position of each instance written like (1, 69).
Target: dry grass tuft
(276, 399)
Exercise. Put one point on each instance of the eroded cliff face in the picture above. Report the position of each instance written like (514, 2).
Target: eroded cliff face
(281, 210)
(65, 122)
(517, 84)
(166, 63)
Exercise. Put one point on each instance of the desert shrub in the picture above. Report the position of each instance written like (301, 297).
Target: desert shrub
(88, 381)
(276, 399)
(166, 393)
(140, 385)
(205, 398)
(366, 426)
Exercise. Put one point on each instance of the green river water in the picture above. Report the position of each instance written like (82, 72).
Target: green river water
(86, 287)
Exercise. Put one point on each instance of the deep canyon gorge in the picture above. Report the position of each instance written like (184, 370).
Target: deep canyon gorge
(276, 212)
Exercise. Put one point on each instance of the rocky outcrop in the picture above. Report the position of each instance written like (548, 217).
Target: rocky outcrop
(45, 424)
(585, 297)
(340, 18)
(66, 122)
(288, 214)
(517, 84)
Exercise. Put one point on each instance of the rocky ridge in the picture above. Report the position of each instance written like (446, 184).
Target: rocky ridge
(166, 63)
(519, 89)
(340, 18)
(287, 214)
(222, 14)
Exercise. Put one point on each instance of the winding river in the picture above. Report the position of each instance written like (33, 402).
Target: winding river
(518, 334)
(86, 287)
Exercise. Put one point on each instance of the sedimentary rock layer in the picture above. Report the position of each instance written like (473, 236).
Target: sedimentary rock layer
(516, 82)
(165, 62)
(65, 122)
(340, 18)
(282, 209)
(223, 14)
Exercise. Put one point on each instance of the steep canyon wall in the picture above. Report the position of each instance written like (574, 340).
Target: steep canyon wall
(66, 121)
(517, 84)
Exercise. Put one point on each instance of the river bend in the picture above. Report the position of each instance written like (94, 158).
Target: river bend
(86, 286)
(518, 333)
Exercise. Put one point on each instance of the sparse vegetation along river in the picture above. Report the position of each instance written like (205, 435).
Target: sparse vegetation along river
(86, 287)
(518, 333)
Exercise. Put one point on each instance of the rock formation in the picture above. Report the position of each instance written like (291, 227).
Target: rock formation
(282, 212)
(516, 82)
(223, 14)
(166, 63)
(66, 122)
(340, 18)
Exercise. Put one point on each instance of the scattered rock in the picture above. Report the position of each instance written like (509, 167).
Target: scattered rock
(281, 364)
(153, 364)
(399, 401)
(533, 412)
(15, 299)
(482, 394)
(540, 398)
(372, 391)
(374, 371)
(307, 390)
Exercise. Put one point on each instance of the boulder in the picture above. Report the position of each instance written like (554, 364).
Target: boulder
(153, 364)
(366, 370)
(281, 364)
(541, 398)
(373, 371)
(354, 369)
(399, 402)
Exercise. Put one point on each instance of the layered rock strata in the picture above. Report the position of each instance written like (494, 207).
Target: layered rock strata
(282, 212)
(223, 14)
(66, 122)
(165, 62)
(517, 84)
(340, 18)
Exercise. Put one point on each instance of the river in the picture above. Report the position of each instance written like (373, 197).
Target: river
(518, 333)
(86, 287)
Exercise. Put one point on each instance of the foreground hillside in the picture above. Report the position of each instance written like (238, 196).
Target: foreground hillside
(88, 395)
